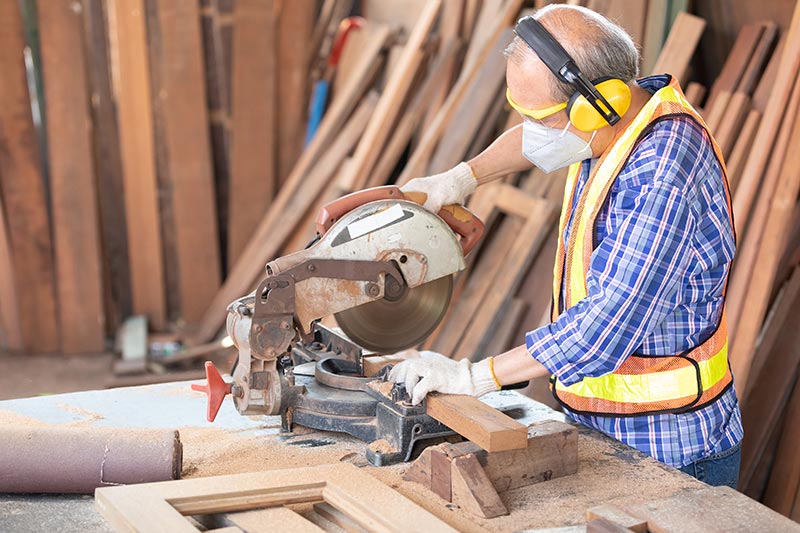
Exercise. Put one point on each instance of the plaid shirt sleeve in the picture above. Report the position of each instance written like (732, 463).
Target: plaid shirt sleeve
(634, 276)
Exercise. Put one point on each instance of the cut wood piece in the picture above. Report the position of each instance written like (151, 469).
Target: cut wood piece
(741, 150)
(774, 114)
(135, 111)
(375, 363)
(361, 497)
(419, 159)
(23, 194)
(338, 518)
(484, 425)
(73, 195)
(442, 475)
(272, 519)
(617, 516)
(294, 55)
(758, 60)
(603, 525)
(737, 61)
(468, 118)
(290, 204)
(182, 110)
(388, 109)
(784, 481)
(680, 46)
(254, 143)
(10, 335)
(731, 124)
(695, 93)
(472, 490)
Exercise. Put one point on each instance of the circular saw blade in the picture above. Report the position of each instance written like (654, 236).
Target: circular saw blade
(386, 326)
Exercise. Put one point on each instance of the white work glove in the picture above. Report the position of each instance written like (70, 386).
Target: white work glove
(435, 372)
(451, 187)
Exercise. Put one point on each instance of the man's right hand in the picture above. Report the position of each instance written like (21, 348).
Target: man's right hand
(450, 187)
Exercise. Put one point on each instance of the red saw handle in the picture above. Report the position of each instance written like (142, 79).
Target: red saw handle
(216, 389)
(460, 219)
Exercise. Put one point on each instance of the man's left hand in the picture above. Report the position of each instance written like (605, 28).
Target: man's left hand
(435, 372)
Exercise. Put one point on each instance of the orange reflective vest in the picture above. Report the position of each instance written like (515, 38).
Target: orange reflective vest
(643, 384)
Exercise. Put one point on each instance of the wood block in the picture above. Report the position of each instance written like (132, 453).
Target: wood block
(472, 490)
(441, 475)
(617, 516)
(374, 363)
(603, 525)
(484, 425)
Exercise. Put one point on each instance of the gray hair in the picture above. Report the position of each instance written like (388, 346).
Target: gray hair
(599, 47)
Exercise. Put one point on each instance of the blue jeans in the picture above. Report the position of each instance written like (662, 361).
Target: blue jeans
(718, 469)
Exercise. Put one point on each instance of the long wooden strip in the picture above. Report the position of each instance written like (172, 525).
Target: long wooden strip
(419, 160)
(781, 209)
(782, 488)
(388, 109)
(10, 335)
(748, 244)
(774, 114)
(680, 46)
(182, 107)
(134, 105)
(737, 60)
(254, 141)
(76, 237)
(290, 204)
(730, 126)
(484, 425)
(742, 149)
(750, 77)
(23, 193)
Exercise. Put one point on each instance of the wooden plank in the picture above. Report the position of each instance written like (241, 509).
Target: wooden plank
(108, 169)
(76, 236)
(472, 490)
(713, 115)
(742, 149)
(295, 19)
(758, 60)
(272, 518)
(695, 93)
(10, 334)
(485, 426)
(470, 115)
(630, 15)
(182, 108)
(784, 481)
(451, 28)
(617, 516)
(419, 159)
(773, 242)
(731, 124)
(737, 61)
(766, 83)
(397, 86)
(654, 34)
(770, 125)
(134, 105)
(23, 194)
(254, 143)
(680, 46)
(160, 506)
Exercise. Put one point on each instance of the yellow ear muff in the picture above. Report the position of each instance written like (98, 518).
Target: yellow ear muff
(586, 118)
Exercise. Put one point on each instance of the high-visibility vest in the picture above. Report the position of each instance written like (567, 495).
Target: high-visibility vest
(643, 384)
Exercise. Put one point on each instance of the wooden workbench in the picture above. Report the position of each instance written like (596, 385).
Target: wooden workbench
(608, 471)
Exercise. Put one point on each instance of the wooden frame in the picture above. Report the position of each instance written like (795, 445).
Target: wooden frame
(362, 498)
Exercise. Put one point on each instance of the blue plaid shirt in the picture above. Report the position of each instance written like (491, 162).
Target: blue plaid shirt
(655, 283)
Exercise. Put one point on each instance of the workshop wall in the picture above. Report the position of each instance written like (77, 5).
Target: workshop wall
(155, 154)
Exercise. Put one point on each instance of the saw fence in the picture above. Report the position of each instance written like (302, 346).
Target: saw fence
(165, 163)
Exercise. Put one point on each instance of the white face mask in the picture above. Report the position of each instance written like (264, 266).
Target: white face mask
(551, 148)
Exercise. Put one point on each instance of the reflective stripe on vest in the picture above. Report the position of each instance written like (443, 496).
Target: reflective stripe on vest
(643, 384)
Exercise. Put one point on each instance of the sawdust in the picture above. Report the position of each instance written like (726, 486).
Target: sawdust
(12, 419)
(89, 416)
(384, 387)
(381, 446)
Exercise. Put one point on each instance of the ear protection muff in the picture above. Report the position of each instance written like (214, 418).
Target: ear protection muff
(594, 104)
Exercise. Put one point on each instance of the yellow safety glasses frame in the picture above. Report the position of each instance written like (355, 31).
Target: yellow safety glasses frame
(536, 114)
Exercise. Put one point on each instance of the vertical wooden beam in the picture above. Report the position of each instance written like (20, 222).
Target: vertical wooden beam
(108, 168)
(129, 42)
(253, 135)
(181, 106)
(73, 194)
(295, 25)
(680, 46)
(10, 335)
(23, 193)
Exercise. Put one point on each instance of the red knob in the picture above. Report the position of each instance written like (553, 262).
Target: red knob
(216, 389)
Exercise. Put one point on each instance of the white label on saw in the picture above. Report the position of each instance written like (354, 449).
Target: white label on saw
(373, 222)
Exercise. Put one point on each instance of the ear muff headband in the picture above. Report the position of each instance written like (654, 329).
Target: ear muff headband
(564, 68)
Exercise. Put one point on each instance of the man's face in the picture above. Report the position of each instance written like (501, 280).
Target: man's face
(528, 87)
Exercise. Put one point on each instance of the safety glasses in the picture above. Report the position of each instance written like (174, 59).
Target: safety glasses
(535, 114)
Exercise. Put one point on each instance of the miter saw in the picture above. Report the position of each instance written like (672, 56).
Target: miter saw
(383, 266)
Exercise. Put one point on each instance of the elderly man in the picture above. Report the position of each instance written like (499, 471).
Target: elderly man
(637, 346)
